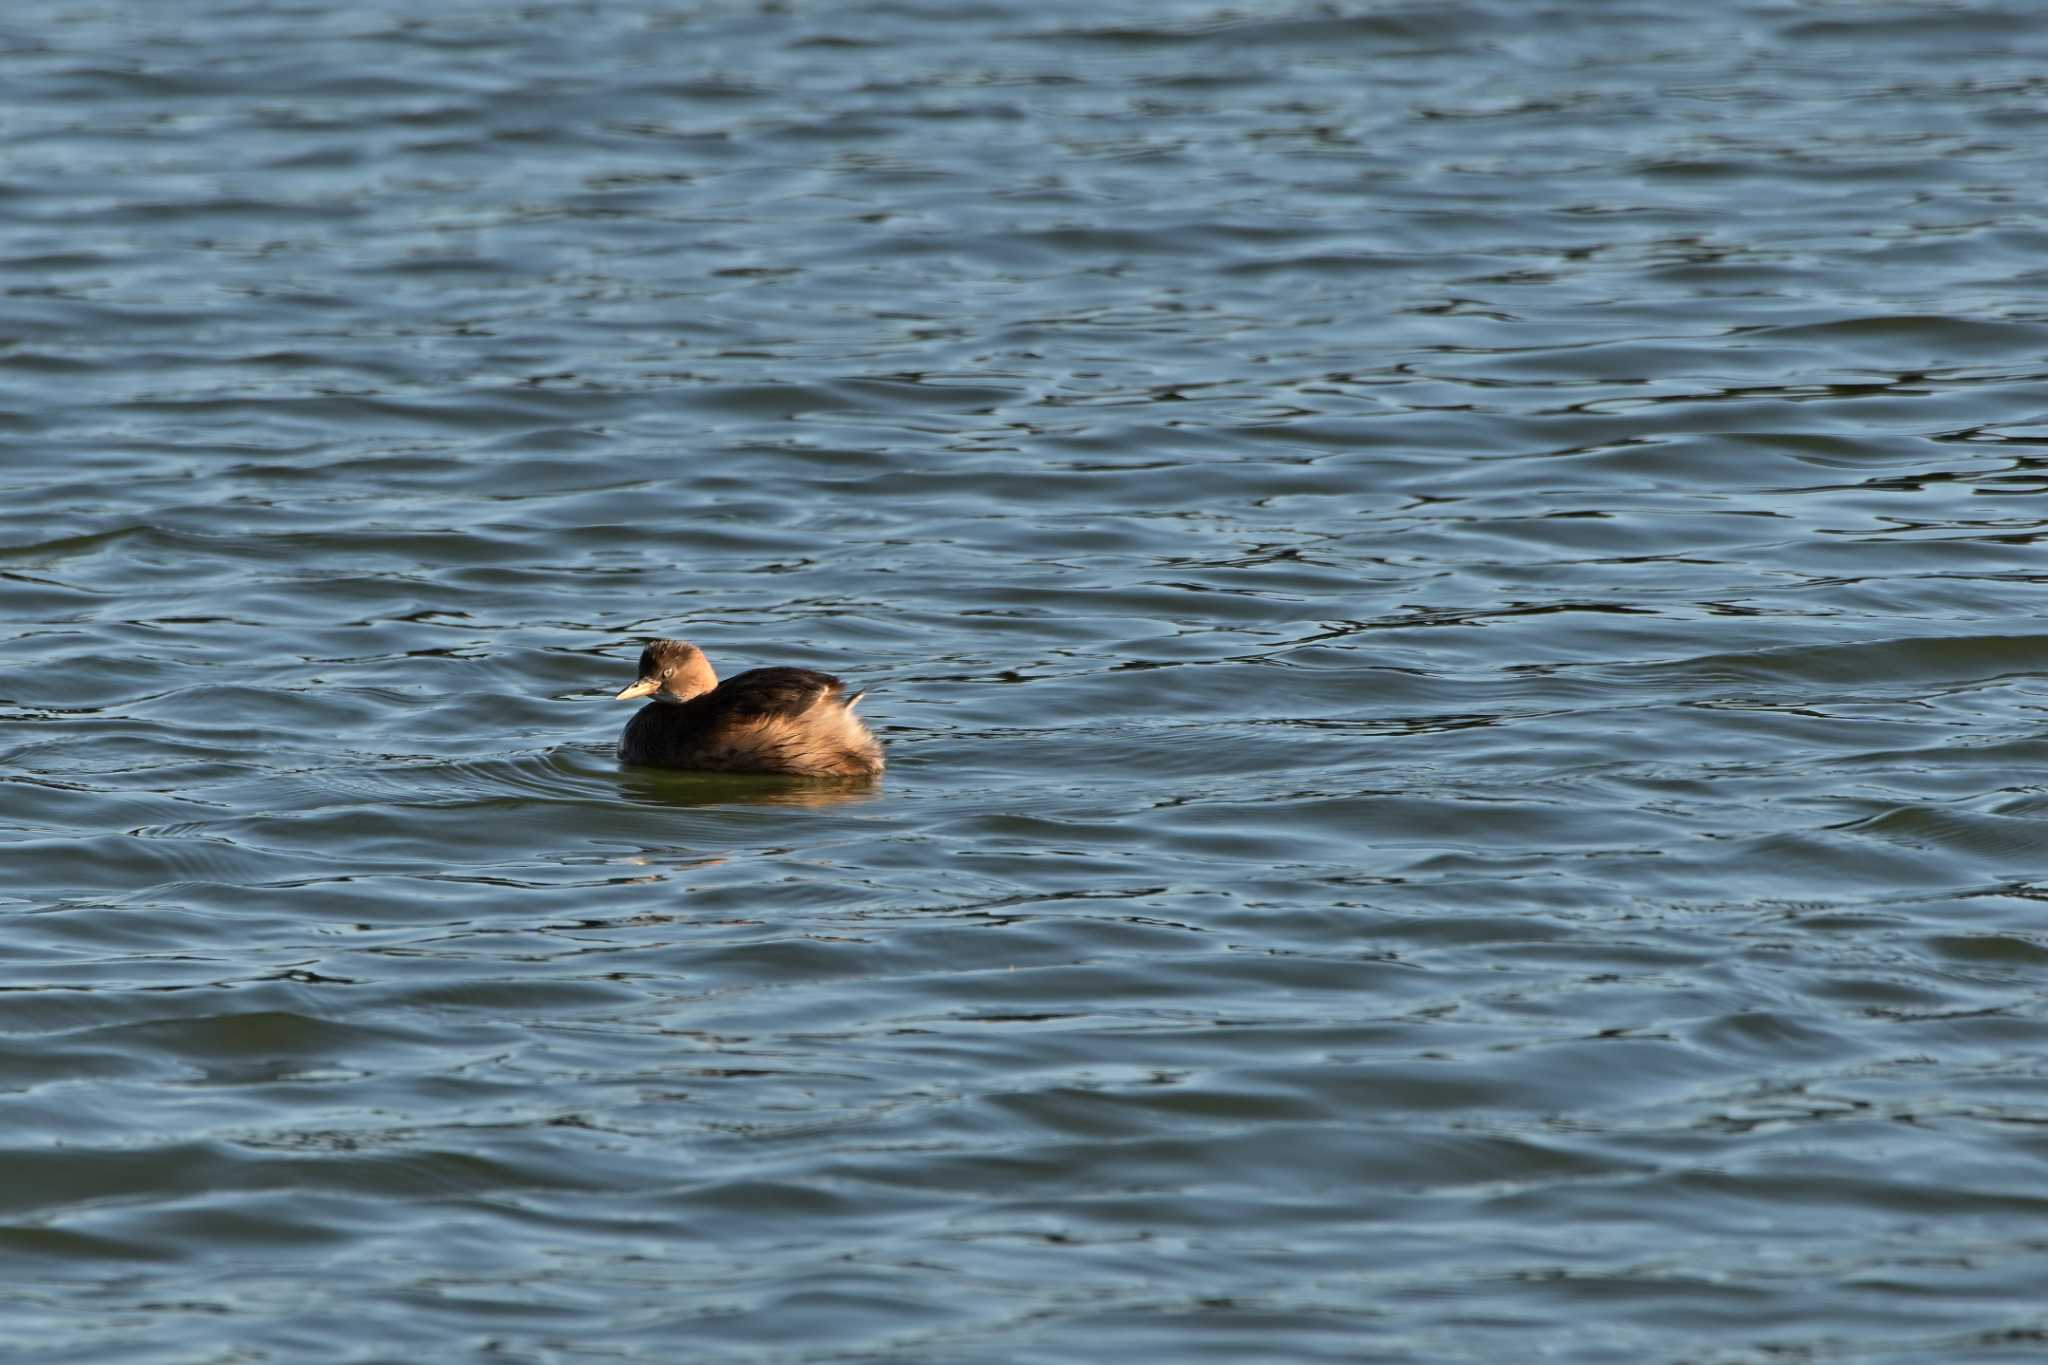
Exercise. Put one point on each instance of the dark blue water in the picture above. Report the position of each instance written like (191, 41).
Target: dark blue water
(1453, 591)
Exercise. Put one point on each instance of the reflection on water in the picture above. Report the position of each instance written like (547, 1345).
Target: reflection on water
(660, 787)
(1453, 591)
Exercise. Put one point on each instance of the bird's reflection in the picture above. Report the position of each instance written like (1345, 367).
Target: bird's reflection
(658, 787)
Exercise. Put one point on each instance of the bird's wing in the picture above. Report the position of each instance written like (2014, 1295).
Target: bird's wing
(775, 692)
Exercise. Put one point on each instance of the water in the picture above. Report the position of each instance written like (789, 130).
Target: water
(1453, 592)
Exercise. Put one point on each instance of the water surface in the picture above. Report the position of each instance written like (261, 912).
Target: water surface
(1452, 591)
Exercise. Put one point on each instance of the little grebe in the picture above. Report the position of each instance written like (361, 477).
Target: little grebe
(767, 720)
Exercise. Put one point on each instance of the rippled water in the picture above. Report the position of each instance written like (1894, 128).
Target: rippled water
(1453, 589)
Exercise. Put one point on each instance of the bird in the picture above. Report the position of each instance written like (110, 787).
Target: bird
(793, 721)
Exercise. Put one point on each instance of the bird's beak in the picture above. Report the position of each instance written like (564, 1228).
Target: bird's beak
(639, 689)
